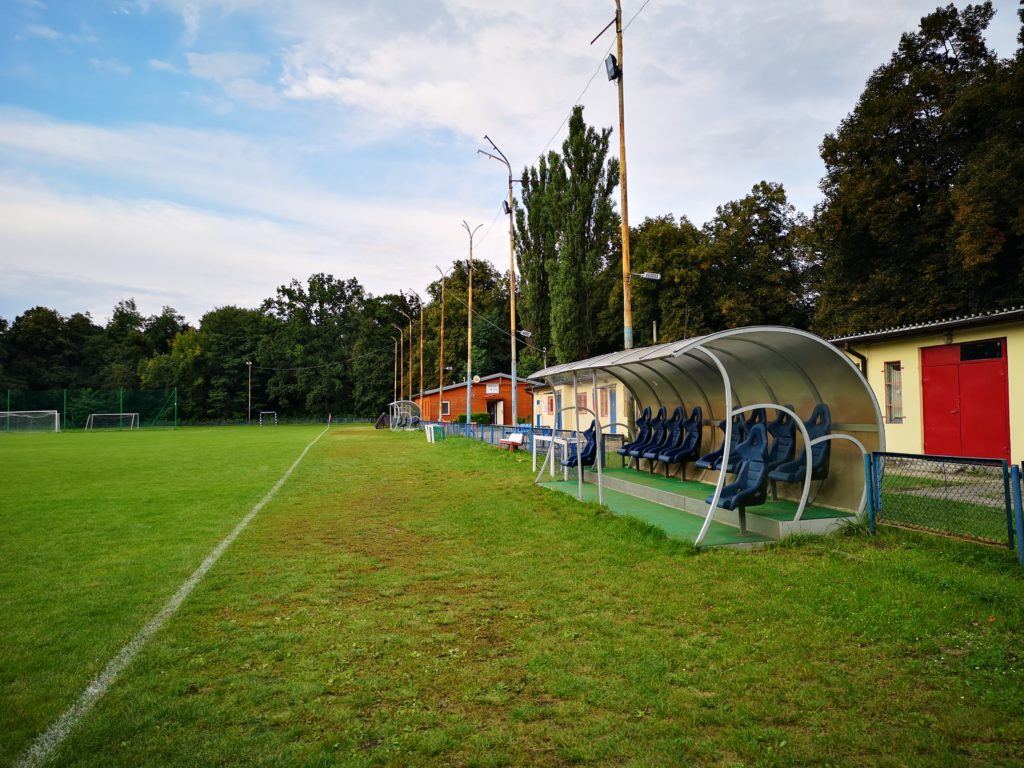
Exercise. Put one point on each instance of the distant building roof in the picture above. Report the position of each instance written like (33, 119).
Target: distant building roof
(462, 384)
(935, 326)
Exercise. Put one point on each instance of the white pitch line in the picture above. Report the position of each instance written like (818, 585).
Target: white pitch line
(44, 747)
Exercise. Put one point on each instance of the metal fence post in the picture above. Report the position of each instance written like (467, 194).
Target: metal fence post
(1009, 504)
(869, 494)
(1018, 511)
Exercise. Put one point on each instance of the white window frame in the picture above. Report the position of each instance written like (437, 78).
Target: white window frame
(446, 408)
(892, 384)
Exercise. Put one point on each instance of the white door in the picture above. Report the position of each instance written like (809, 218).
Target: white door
(499, 412)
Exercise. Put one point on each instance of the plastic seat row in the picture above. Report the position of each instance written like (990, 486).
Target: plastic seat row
(754, 464)
(667, 441)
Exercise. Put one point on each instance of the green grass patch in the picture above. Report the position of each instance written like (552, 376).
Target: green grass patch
(405, 604)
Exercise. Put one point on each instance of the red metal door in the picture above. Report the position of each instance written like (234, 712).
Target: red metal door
(966, 399)
(985, 405)
(941, 396)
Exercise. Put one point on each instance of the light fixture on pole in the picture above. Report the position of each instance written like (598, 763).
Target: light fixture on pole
(507, 206)
(613, 67)
(469, 327)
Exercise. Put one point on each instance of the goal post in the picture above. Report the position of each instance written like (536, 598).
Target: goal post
(30, 421)
(268, 418)
(112, 421)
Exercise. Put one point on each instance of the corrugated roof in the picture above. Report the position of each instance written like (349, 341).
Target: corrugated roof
(959, 321)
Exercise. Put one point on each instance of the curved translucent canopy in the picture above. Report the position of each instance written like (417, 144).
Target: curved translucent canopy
(760, 365)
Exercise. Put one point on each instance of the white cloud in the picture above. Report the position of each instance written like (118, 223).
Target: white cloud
(252, 221)
(110, 65)
(190, 19)
(162, 66)
(221, 67)
(39, 32)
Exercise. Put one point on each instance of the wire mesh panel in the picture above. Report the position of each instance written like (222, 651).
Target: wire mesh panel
(959, 496)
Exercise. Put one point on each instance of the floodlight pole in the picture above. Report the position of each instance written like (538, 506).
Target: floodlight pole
(440, 362)
(394, 388)
(627, 299)
(627, 303)
(511, 272)
(469, 328)
(409, 318)
(401, 358)
(421, 351)
(248, 418)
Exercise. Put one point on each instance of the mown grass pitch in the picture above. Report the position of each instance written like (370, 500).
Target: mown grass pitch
(402, 604)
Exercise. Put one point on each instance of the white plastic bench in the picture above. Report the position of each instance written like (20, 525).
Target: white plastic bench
(513, 442)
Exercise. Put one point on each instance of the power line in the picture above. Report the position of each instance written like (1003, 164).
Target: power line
(495, 325)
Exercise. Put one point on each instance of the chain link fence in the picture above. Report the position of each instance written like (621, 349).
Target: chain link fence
(958, 496)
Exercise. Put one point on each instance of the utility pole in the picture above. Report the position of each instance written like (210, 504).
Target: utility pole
(409, 318)
(614, 69)
(421, 355)
(401, 359)
(511, 271)
(440, 361)
(469, 328)
(394, 389)
(248, 418)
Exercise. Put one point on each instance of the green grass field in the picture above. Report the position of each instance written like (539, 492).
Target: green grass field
(404, 604)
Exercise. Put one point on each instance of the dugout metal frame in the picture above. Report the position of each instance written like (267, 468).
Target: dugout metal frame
(743, 369)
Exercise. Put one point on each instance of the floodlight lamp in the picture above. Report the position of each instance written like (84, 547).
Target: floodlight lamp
(525, 333)
(651, 275)
(504, 205)
(611, 66)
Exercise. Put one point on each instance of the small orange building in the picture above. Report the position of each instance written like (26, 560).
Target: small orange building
(491, 394)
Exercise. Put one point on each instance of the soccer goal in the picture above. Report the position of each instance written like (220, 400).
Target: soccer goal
(268, 418)
(30, 421)
(112, 421)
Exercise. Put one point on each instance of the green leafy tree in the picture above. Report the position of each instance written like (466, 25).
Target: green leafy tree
(538, 230)
(583, 185)
(923, 184)
(752, 257)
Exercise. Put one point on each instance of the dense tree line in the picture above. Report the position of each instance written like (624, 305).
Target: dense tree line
(922, 216)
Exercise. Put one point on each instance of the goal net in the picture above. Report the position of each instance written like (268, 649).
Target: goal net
(30, 421)
(112, 421)
(268, 418)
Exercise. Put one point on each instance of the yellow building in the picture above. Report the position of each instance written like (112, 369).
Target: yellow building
(949, 387)
(608, 399)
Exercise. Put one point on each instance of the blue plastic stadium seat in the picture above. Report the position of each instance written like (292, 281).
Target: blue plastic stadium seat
(643, 432)
(688, 448)
(748, 489)
(654, 438)
(783, 433)
(740, 430)
(670, 438)
(588, 451)
(819, 425)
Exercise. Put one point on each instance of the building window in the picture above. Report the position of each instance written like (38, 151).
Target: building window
(894, 393)
(551, 404)
(581, 399)
(602, 395)
(446, 407)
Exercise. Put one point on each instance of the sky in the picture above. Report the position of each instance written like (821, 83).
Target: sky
(199, 153)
